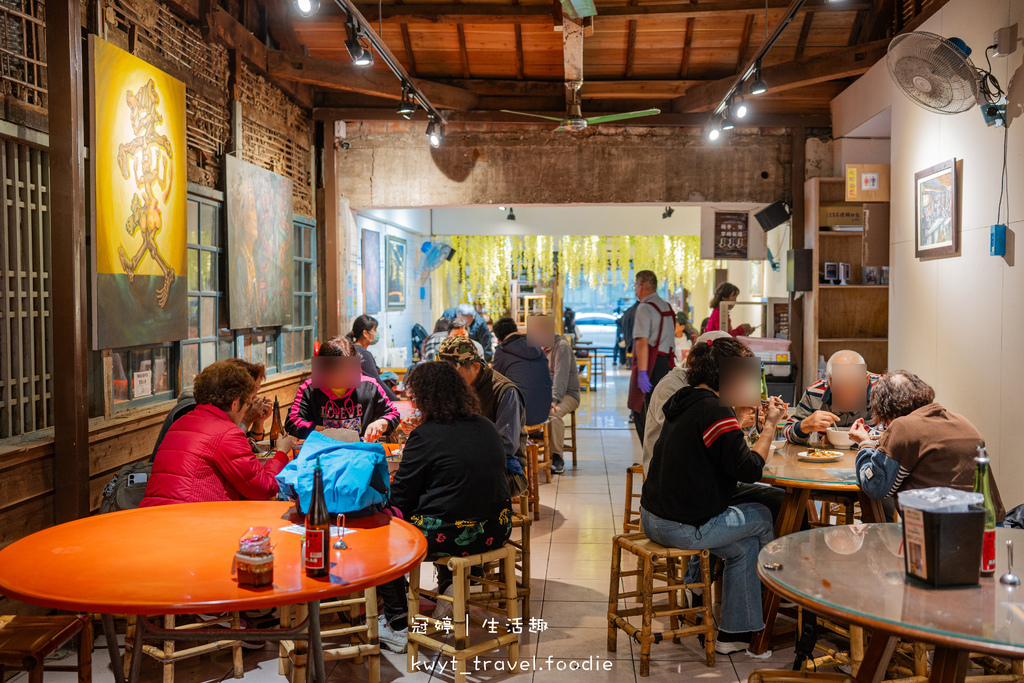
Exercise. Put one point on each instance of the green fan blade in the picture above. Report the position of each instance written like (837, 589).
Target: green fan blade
(591, 120)
(536, 116)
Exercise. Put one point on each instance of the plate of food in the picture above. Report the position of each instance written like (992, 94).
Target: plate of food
(819, 455)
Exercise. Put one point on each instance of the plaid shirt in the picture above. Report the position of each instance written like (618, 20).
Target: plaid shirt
(818, 396)
(432, 344)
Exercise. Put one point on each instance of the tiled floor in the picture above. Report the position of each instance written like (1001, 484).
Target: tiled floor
(571, 552)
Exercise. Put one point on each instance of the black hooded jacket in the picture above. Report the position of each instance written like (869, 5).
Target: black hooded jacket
(698, 460)
(527, 366)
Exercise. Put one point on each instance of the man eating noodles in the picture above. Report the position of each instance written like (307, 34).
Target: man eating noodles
(924, 444)
(837, 401)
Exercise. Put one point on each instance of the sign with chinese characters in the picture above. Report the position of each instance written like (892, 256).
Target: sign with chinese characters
(731, 233)
(142, 384)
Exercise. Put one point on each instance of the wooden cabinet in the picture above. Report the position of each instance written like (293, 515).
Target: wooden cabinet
(851, 316)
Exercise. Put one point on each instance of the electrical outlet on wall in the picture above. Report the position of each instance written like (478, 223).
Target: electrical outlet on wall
(1005, 41)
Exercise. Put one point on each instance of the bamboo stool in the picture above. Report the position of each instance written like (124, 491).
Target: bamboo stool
(26, 642)
(488, 599)
(631, 517)
(599, 368)
(288, 662)
(784, 676)
(533, 479)
(570, 438)
(503, 590)
(539, 435)
(168, 655)
(649, 555)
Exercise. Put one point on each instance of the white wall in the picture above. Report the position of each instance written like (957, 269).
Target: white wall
(957, 322)
(394, 326)
(606, 221)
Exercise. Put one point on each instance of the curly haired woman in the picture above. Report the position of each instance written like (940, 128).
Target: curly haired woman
(205, 455)
(451, 485)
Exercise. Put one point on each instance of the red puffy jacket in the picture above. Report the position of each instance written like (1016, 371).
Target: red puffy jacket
(205, 457)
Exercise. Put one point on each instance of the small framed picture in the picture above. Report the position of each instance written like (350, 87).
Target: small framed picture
(870, 274)
(937, 211)
(831, 273)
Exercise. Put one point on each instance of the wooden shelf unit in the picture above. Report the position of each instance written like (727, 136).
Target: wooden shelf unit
(853, 316)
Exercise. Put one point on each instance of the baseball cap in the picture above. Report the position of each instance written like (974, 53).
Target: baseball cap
(458, 350)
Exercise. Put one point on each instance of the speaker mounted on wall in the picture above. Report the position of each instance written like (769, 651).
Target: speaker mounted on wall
(774, 215)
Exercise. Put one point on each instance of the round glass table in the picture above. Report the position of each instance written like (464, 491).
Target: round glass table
(800, 479)
(855, 574)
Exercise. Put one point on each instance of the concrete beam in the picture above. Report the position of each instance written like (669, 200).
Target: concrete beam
(382, 169)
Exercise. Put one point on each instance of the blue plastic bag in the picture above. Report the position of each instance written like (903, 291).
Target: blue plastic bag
(355, 475)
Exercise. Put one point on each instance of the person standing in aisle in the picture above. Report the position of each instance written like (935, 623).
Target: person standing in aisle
(565, 396)
(625, 325)
(653, 346)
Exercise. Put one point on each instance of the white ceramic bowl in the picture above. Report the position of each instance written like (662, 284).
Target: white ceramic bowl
(840, 438)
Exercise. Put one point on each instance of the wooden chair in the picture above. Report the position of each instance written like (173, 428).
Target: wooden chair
(362, 637)
(533, 479)
(570, 438)
(26, 642)
(539, 436)
(168, 655)
(583, 369)
(784, 676)
(631, 516)
(650, 556)
(424, 630)
(599, 367)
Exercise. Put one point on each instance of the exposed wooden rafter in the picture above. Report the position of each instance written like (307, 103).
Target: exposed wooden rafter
(844, 63)
(748, 25)
(326, 73)
(480, 13)
(684, 67)
(407, 44)
(805, 31)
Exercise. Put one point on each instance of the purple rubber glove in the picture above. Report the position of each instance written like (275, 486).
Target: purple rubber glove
(643, 381)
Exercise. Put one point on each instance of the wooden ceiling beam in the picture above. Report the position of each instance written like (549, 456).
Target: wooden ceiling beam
(407, 44)
(684, 67)
(830, 66)
(479, 13)
(280, 24)
(748, 25)
(326, 73)
(217, 26)
(805, 32)
(755, 119)
(707, 10)
(572, 52)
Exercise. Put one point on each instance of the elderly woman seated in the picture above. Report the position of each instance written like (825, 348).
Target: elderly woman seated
(923, 445)
(205, 456)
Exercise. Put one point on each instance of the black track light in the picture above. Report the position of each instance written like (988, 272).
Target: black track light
(307, 8)
(435, 133)
(758, 86)
(360, 54)
(740, 110)
(407, 107)
(727, 121)
(511, 214)
(668, 212)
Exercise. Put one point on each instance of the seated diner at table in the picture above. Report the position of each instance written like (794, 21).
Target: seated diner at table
(827, 402)
(525, 365)
(432, 343)
(923, 444)
(205, 456)
(252, 423)
(365, 409)
(364, 334)
(452, 482)
(500, 401)
(687, 499)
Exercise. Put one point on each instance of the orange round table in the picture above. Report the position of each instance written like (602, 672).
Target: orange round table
(176, 559)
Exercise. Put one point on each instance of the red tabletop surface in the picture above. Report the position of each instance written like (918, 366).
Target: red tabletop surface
(176, 559)
(404, 408)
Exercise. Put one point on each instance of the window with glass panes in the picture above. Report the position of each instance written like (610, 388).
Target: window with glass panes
(207, 340)
(297, 338)
(141, 375)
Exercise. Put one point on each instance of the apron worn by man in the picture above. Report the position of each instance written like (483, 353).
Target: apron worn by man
(635, 401)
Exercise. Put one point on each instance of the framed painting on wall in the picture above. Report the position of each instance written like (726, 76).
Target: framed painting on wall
(259, 245)
(137, 164)
(395, 264)
(371, 271)
(937, 211)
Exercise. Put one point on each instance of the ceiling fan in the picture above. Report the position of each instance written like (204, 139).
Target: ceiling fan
(574, 121)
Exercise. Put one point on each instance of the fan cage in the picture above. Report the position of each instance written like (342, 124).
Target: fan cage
(934, 72)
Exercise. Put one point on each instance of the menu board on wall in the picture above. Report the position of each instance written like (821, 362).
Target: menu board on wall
(731, 230)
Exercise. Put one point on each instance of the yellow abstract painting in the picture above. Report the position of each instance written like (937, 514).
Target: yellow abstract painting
(139, 174)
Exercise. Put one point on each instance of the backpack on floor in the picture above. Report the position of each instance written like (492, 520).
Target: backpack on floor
(126, 490)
